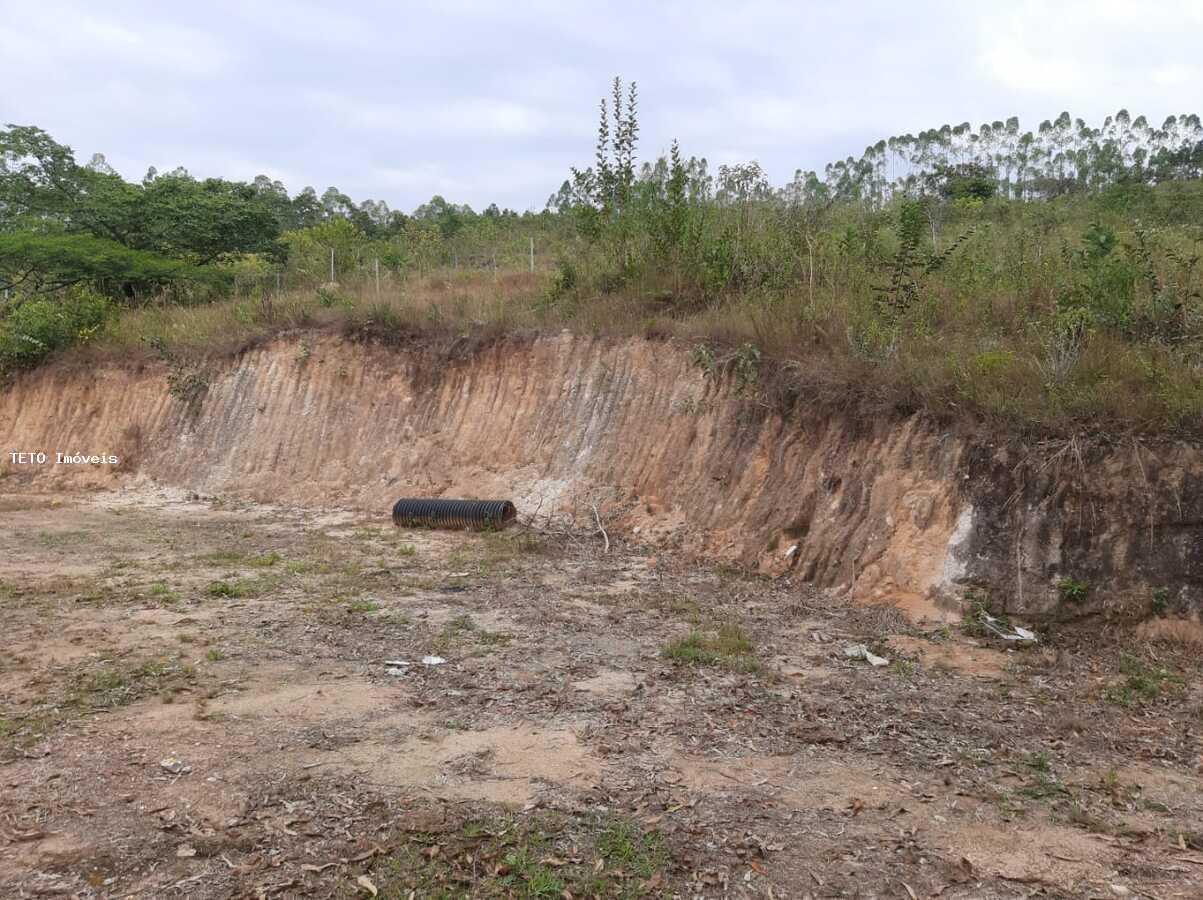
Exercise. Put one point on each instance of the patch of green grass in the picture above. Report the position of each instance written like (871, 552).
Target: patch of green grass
(362, 607)
(222, 558)
(25, 730)
(1142, 681)
(265, 560)
(463, 629)
(241, 588)
(493, 638)
(540, 857)
(406, 550)
(111, 686)
(625, 846)
(221, 589)
(728, 647)
(101, 595)
(215, 655)
(160, 592)
(394, 617)
(681, 606)
(57, 539)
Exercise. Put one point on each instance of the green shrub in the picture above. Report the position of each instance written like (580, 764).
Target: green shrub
(1072, 590)
(36, 328)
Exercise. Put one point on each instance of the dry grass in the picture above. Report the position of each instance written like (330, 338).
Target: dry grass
(953, 358)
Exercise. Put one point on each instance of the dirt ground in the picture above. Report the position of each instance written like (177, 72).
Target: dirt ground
(210, 699)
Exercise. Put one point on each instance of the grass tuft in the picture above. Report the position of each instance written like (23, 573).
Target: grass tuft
(728, 647)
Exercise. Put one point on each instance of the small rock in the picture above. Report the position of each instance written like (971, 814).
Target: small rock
(174, 766)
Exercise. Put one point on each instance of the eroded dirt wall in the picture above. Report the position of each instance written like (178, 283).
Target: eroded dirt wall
(893, 509)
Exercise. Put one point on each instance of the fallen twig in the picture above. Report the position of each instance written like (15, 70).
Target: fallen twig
(601, 527)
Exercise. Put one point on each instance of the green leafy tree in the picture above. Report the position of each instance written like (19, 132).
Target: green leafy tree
(602, 196)
(37, 263)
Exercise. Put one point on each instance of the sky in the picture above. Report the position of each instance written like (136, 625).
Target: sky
(493, 101)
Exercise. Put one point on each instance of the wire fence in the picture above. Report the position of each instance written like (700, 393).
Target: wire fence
(378, 272)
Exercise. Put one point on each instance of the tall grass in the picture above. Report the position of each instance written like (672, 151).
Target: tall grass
(966, 349)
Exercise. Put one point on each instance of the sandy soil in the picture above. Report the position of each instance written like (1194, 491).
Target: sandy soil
(208, 699)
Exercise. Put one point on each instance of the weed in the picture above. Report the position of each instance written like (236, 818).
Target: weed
(160, 591)
(463, 628)
(1161, 602)
(220, 589)
(630, 849)
(362, 607)
(57, 539)
(187, 383)
(746, 364)
(265, 560)
(542, 856)
(111, 686)
(728, 647)
(1042, 786)
(973, 621)
(1040, 761)
(1142, 681)
(1071, 590)
(222, 558)
(1083, 818)
(240, 589)
(705, 359)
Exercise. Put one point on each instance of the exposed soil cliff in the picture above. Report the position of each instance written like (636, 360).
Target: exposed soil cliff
(892, 509)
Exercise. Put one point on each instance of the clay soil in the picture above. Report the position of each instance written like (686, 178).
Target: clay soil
(208, 699)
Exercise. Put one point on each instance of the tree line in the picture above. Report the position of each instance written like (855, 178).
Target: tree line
(1075, 229)
(63, 223)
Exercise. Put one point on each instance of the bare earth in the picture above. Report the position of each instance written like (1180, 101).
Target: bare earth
(207, 699)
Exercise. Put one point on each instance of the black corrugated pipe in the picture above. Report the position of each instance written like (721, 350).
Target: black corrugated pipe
(433, 513)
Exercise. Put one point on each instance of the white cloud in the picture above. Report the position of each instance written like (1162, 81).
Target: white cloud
(460, 117)
(47, 36)
(493, 101)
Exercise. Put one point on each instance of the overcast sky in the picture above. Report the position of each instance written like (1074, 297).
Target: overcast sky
(493, 101)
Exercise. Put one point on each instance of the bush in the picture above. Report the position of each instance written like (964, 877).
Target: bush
(36, 328)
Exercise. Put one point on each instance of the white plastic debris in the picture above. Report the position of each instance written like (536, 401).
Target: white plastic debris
(433, 660)
(860, 651)
(175, 766)
(1015, 634)
(789, 554)
(396, 667)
